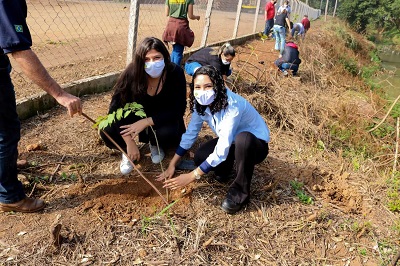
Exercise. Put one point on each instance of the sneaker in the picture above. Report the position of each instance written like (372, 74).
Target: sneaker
(285, 73)
(125, 166)
(155, 156)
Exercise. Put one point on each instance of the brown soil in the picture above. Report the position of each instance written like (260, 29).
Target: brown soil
(96, 216)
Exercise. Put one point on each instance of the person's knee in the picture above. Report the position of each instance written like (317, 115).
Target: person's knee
(243, 140)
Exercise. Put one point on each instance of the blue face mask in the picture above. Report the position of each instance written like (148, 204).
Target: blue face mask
(154, 69)
(204, 97)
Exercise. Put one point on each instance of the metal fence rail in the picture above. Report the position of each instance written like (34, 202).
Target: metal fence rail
(76, 39)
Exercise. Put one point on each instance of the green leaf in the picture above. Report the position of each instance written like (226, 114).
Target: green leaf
(140, 113)
(127, 113)
(111, 118)
(119, 113)
(103, 124)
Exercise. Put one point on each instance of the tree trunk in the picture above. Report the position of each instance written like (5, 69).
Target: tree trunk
(326, 9)
(334, 10)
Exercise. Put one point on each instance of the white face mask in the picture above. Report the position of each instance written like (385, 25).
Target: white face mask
(204, 97)
(225, 62)
(154, 69)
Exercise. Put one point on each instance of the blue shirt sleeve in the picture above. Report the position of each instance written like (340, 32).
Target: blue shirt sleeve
(14, 32)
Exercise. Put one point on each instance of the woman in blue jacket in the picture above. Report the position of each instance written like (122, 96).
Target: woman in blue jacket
(242, 136)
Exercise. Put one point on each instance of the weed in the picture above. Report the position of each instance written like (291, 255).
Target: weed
(362, 251)
(393, 193)
(146, 221)
(382, 131)
(350, 65)
(298, 189)
(66, 177)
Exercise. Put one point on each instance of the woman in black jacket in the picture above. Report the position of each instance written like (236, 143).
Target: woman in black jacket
(159, 85)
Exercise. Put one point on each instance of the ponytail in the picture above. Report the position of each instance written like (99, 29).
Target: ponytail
(227, 49)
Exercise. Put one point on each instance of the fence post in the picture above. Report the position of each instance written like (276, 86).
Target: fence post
(207, 23)
(256, 16)
(132, 31)
(238, 12)
(326, 8)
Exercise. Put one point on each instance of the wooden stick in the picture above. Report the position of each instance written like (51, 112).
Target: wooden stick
(134, 166)
(397, 147)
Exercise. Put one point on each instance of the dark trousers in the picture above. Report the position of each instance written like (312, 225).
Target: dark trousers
(247, 151)
(269, 24)
(11, 189)
(168, 136)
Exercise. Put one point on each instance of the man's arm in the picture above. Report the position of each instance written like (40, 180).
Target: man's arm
(34, 69)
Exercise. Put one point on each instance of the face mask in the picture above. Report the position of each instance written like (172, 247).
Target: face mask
(154, 69)
(225, 62)
(204, 97)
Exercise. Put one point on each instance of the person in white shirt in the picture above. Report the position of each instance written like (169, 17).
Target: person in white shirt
(242, 136)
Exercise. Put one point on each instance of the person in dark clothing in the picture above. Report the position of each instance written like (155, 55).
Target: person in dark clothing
(15, 40)
(290, 59)
(242, 136)
(218, 57)
(280, 30)
(159, 85)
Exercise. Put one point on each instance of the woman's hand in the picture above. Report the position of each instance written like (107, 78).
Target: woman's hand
(133, 151)
(179, 181)
(167, 173)
(134, 129)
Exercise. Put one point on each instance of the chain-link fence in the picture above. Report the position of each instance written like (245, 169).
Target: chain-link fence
(84, 38)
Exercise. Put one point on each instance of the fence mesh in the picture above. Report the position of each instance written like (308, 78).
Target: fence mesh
(84, 38)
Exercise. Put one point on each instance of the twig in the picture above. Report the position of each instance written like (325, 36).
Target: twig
(33, 189)
(56, 170)
(397, 147)
(134, 166)
(383, 120)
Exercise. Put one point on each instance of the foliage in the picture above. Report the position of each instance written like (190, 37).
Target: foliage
(104, 121)
(298, 189)
(380, 14)
(393, 193)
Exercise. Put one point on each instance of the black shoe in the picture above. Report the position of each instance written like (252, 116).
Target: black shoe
(222, 178)
(231, 207)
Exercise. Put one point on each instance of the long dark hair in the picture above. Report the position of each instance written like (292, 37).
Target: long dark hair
(132, 83)
(221, 98)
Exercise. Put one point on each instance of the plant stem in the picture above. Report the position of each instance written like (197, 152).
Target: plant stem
(134, 166)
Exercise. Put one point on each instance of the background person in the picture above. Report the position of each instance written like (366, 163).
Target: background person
(280, 30)
(290, 59)
(242, 136)
(269, 17)
(306, 23)
(219, 57)
(160, 87)
(286, 6)
(15, 39)
(178, 31)
(297, 30)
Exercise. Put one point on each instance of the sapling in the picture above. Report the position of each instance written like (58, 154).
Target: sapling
(104, 121)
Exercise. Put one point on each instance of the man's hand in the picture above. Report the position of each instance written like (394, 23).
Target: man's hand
(71, 102)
